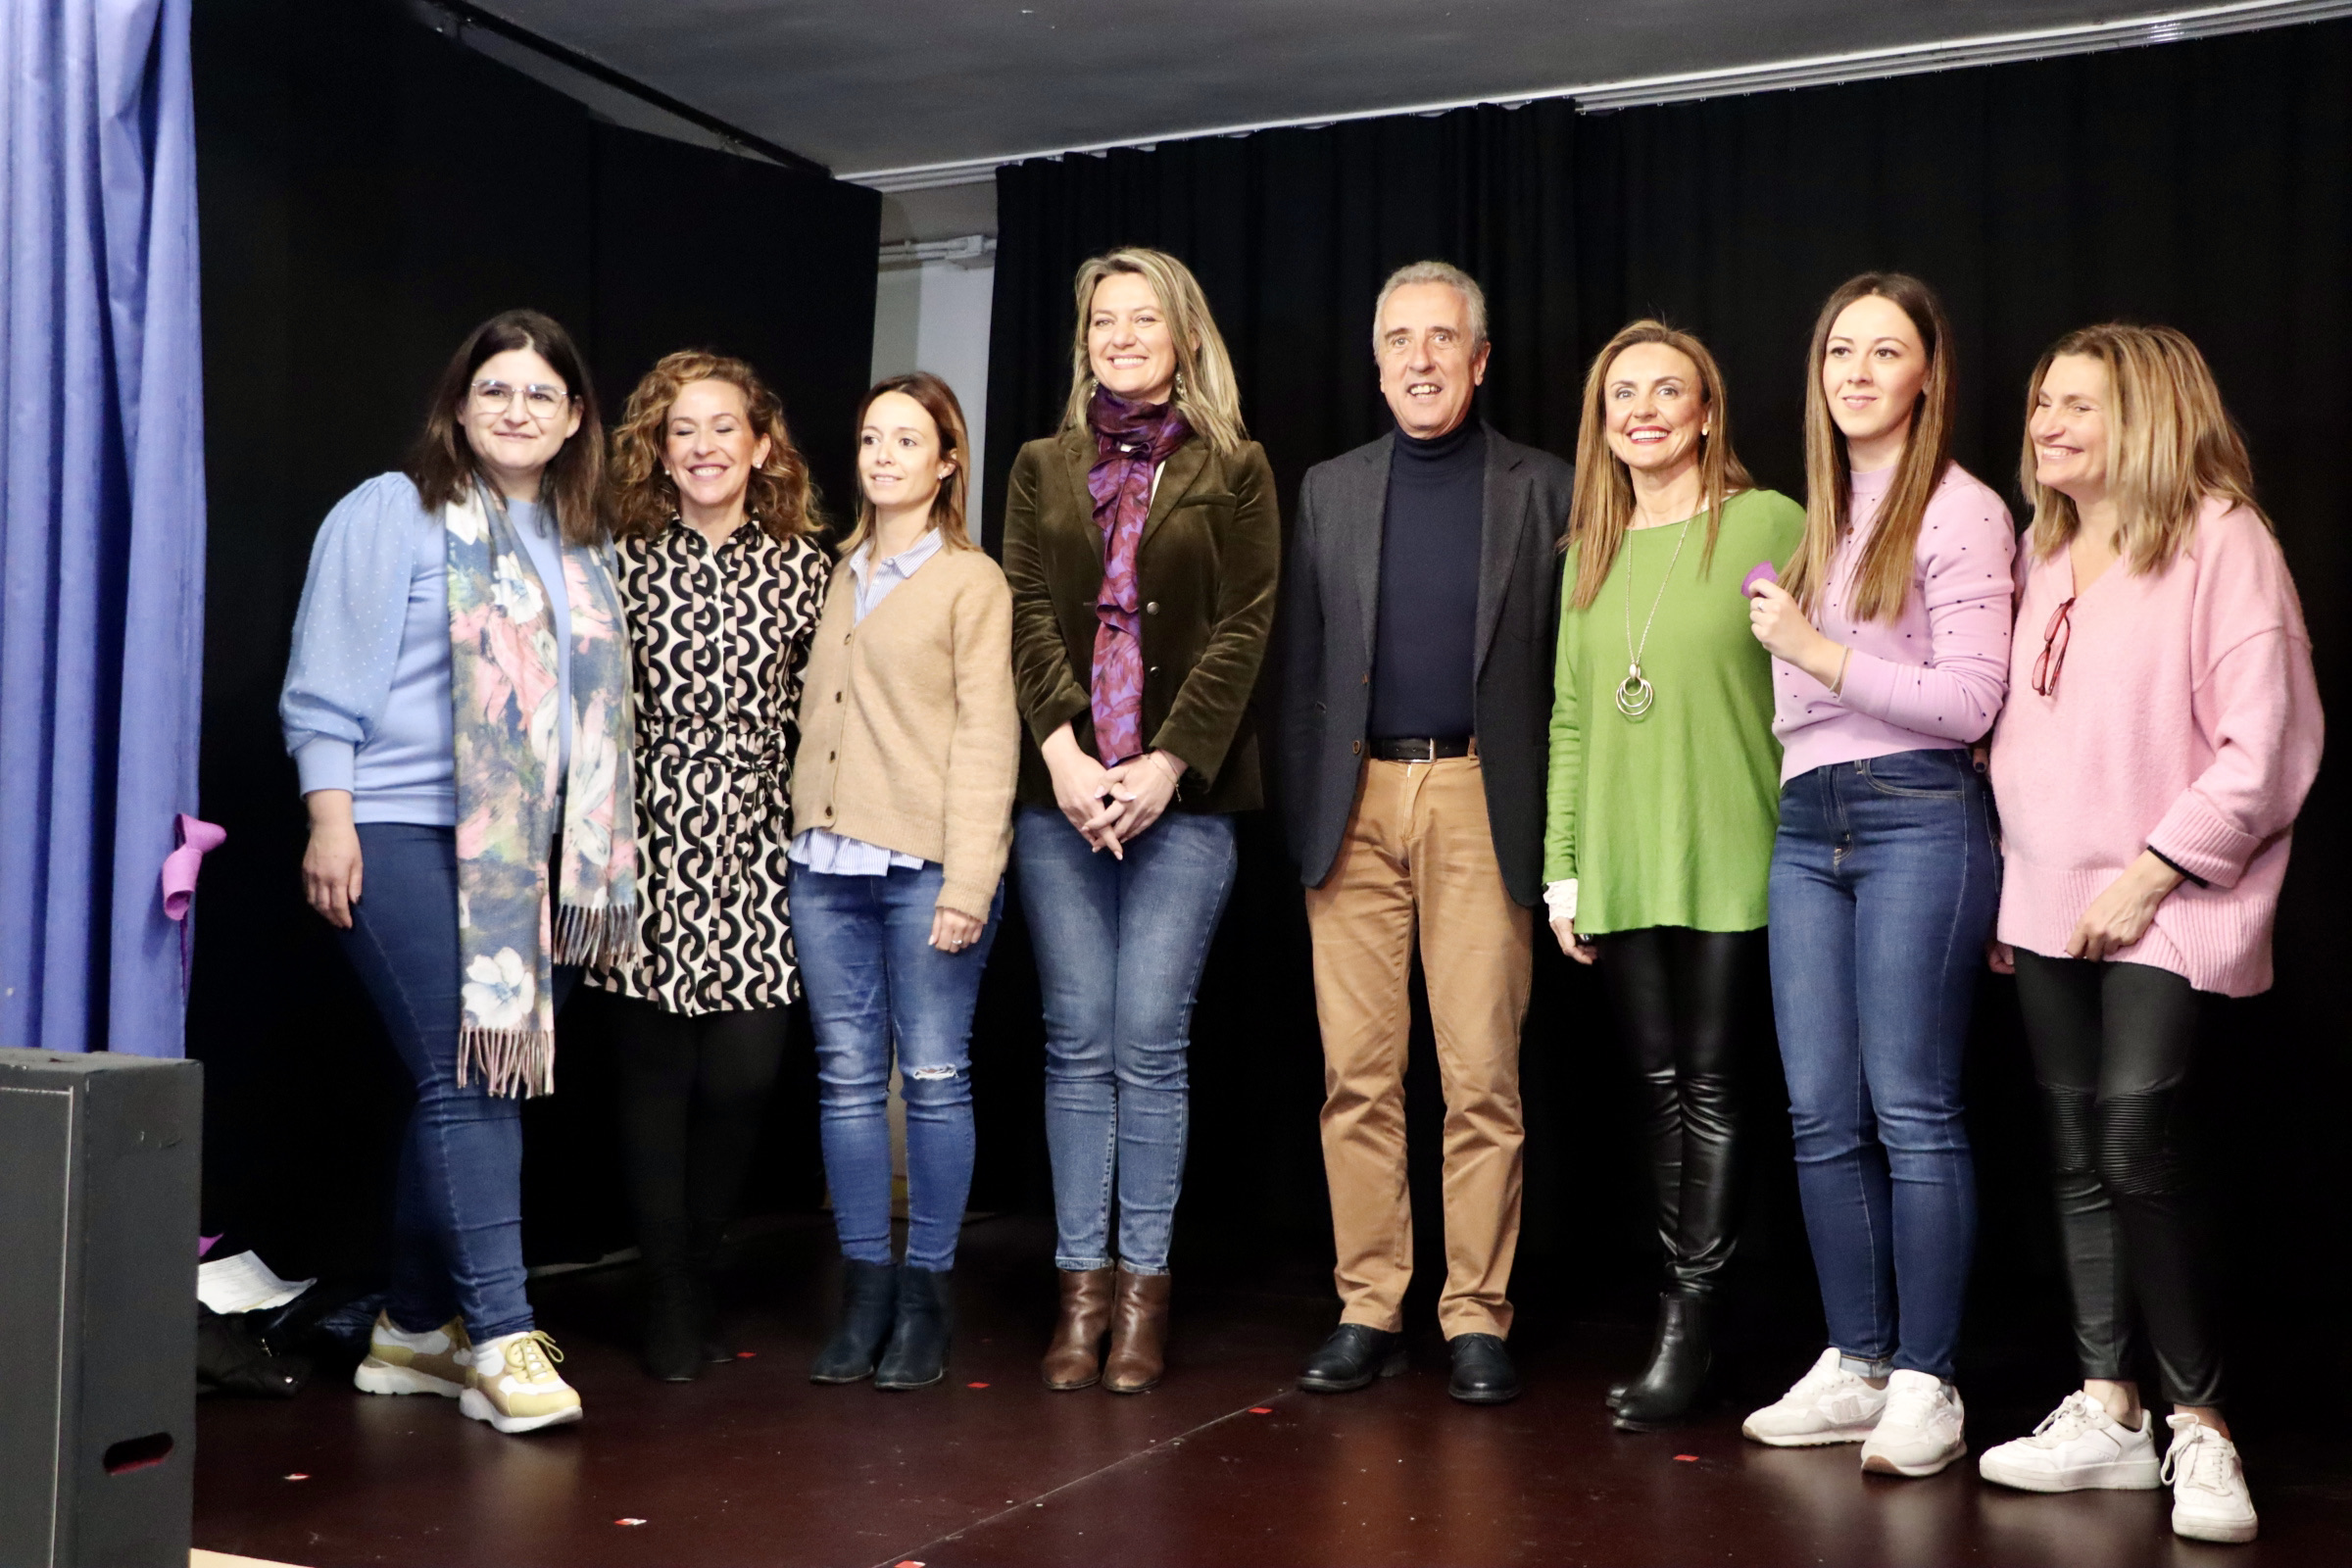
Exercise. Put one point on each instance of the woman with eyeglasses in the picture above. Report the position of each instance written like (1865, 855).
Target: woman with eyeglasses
(1663, 794)
(723, 576)
(1890, 644)
(2163, 728)
(457, 706)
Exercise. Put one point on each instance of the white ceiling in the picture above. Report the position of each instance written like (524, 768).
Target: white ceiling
(872, 85)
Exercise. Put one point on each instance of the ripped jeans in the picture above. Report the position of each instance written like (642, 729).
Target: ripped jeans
(873, 979)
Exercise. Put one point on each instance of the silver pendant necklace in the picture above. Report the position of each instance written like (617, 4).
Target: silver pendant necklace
(1634, 694)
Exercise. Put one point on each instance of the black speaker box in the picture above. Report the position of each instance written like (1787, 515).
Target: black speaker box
(99, 1180)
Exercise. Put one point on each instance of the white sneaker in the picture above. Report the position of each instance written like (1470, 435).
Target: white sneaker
(2209, 1499)
(401, 1362)
(514, 1384)
(1920, 1433)
(1828, 1404)
(2078, 1448)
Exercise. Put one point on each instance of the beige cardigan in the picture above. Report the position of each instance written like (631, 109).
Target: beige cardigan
(909, 738)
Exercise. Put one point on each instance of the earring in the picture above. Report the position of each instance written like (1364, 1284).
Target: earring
(1179, 383)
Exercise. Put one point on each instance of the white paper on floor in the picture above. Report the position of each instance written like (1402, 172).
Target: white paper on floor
(244, 1284)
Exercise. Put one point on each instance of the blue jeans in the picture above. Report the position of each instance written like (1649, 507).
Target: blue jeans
(457, 1215)
(1884, 879)
(1120, 944)
(872, 978)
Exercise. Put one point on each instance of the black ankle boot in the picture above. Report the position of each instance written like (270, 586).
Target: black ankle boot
(1679, 1362)
(673, 1326)
(869, 1301)
(917, 1356)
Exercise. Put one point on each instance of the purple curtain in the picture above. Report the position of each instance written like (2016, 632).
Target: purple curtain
(102, 546)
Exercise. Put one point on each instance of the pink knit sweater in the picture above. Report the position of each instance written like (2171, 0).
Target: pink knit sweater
(2187, 721)
(1933, 675)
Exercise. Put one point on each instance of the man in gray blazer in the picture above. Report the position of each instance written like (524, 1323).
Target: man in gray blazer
(1417, 608)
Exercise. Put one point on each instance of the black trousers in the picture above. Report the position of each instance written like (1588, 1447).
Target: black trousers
(1683, 998)
(693, 1090)
(2113, 1045)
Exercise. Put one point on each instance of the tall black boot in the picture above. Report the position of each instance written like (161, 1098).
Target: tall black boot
(869, 1303)
(705, 1263)
(674, 1319)
(1679, 1359)
(917, 1356)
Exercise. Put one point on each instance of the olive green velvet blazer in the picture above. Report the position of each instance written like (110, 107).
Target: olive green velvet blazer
(1206, 572)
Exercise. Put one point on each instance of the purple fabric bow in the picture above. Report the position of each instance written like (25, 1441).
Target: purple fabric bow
(1131, 440)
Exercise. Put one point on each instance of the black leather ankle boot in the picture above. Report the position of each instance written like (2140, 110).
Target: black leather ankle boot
(1679, 1362)
(673, 1331)
(869, 1301)
(917, 1356)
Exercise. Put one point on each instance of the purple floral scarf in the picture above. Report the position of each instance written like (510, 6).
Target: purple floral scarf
(1131, 440)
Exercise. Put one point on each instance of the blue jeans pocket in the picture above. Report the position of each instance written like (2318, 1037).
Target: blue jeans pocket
(1935, 774)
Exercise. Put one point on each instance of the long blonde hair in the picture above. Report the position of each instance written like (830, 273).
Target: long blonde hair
(938, 400)
(1207, 393)
(1603, 505)
(781, 496)
(1883, 577)
(2170, 444)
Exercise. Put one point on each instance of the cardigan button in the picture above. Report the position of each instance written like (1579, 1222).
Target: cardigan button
(1357, 747)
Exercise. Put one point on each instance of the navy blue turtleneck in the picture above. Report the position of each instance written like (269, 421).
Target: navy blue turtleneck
(1425, 640)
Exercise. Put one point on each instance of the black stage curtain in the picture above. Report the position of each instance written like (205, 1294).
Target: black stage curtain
(2204, 184)
(370, 192)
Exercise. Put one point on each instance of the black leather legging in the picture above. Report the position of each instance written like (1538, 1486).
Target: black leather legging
(1683, 998)
(2113, 1045)
(693, 1092)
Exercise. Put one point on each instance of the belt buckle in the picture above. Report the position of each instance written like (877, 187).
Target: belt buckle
(1430, 741)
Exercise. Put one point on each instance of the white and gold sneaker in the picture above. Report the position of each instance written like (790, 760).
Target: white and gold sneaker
(401, 1362)
(2209, 1499)
(513, 1384)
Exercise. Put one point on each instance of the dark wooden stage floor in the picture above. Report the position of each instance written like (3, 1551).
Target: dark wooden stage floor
(1225, 1465)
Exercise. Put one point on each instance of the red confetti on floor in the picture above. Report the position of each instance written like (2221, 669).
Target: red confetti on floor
(628, 1521)
(300, 1475)
(1685, 1459)
(1261, 1409)
(975, 1385)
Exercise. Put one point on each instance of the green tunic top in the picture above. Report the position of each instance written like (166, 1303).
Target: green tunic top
(1668, 819)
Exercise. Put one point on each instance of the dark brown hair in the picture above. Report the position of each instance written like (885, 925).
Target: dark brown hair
(1603, 504)
(442, 463)
(781, 496)
(1882, 576)
(938, 400)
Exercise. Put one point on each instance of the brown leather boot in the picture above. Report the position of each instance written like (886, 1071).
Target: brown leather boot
(1139, 1334)
(1074, 1360)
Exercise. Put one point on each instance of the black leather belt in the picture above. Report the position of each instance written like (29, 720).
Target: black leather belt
(1420, 747)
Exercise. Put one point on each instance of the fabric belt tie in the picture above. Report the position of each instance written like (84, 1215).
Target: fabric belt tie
(1420, 747)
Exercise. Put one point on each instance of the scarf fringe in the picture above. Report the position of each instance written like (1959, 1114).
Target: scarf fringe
(509, 1061)
(598, 938)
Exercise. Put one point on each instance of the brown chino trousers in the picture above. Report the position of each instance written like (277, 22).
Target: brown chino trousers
(1418, 854)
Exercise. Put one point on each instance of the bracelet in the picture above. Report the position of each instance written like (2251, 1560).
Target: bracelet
(1837, 686)
(1175, 773)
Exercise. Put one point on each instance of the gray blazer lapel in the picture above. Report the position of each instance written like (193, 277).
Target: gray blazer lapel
(1500, 534)
(1364, 503)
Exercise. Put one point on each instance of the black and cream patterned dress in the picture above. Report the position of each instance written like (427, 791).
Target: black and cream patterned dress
(720, 635)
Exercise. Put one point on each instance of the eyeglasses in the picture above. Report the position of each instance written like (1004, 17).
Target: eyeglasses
(540, 401)
(2060, 633)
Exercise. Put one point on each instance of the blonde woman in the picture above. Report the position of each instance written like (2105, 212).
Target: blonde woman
(902, 798)
(1142, 543)
(723, 576)
(1890, 649)
(1664, 788)
(2163, 729)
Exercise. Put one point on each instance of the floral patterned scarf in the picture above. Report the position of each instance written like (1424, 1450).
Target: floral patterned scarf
(1131, 440)
(505, 690)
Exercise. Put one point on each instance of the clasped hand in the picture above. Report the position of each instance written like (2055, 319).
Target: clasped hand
(1109, 806)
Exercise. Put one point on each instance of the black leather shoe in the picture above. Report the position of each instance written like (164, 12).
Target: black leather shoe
(1352, 1358)
(869, 1304)
(917, 1356)
(1679, 1360)
(1483, 1373)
